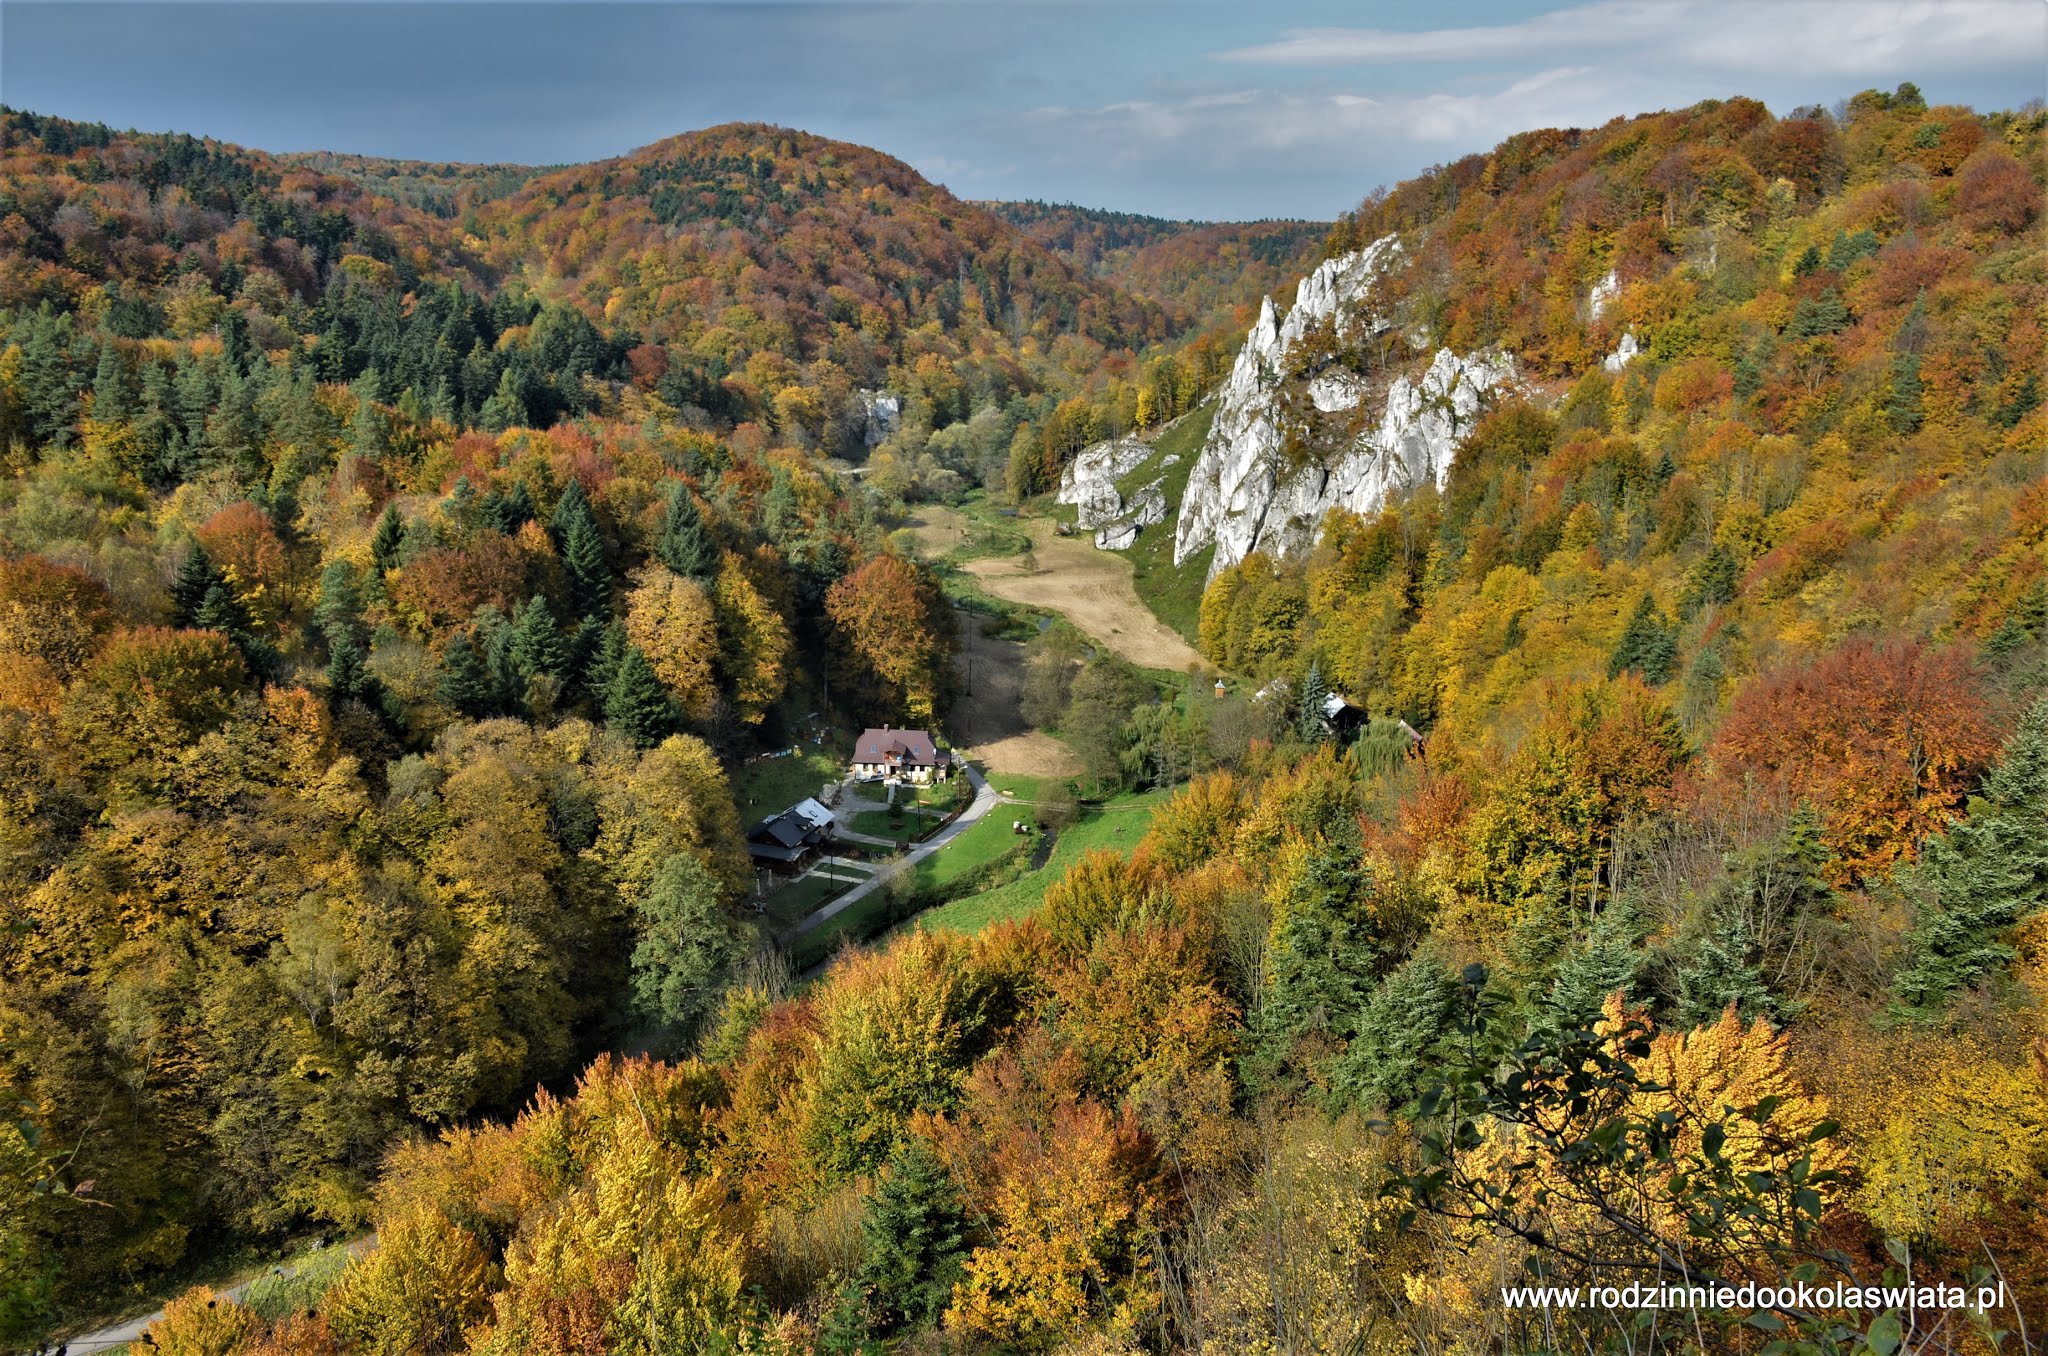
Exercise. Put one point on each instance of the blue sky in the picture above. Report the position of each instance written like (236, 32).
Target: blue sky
(1180, 109)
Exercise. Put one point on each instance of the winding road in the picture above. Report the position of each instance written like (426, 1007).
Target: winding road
(986, 798)
(125, 1333)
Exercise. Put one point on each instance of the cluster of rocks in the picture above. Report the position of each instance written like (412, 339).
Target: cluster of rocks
(1245, 494)
(1089, 484)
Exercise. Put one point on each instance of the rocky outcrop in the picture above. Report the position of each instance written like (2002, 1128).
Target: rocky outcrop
(883, 411)
(1145, 507)
(1246, 492)
(1624, 353)
(1597, 301)
(1603, 293)
(1089, 482)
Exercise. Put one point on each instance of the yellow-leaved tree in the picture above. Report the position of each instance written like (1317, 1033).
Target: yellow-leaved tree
(671, 621)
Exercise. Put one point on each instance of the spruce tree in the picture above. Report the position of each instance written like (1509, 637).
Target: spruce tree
(340, 604)
(1610, 958)
(346, 675)
(1398, 1036)
(577, 536)
(113, 390)
(507, 406)
(384, 542)
(1647, 645)
(1309, 720)
(1713, 580)
(1818, 316)
(196, 578)
(913, 1242)
(221, 611)
(536, 644)
(606, 651)
(234, 434)
(1716, 969)
(465, 680)
(683, 544)
(590, 575)
(1902, 409)
(636, 704)
(778, 506)
(1978, 881)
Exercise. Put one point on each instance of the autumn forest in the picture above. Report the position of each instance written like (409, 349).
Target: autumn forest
(418, 580)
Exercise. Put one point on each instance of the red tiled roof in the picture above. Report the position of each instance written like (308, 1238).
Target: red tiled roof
(914, 747)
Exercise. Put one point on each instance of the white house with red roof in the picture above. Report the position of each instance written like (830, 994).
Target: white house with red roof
(906, 755)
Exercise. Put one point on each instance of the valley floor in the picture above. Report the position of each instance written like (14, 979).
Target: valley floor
(1090, 588)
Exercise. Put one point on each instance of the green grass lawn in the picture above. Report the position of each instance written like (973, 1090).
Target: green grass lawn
(1174, 593)
(979, 843)
(806, 896)
(774, 784)
(991, 533)
(883, 824)
(1118, 823)
(1010, 784)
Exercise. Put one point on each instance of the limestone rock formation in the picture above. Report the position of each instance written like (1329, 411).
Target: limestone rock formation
(1089, 482)
(884, 414)
(1248, 491)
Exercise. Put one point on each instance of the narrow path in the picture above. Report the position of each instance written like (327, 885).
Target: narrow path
(986, 798)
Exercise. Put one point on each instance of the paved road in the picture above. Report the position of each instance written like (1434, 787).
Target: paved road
(986, 798)
(118, 1335)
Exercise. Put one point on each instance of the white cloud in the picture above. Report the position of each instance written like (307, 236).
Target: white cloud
(1809, 37)
(1225, 130)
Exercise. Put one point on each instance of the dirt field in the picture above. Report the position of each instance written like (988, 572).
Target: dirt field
(1092, 588)
(987, 721)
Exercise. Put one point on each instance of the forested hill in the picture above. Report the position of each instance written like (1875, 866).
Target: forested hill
(389, 600)
(439, 188)
(1212, 271)
(843, 238)
(761, 274)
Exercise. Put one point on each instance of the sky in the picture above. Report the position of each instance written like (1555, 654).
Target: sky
(1260, 108)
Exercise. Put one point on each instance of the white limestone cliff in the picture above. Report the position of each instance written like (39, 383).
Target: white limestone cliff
(1145, 507)
(1603, 294)
(1089, 482)
(1244, 493)
(1624, 353)
(882, 413)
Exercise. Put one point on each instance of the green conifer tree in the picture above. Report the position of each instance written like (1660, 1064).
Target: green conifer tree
(465, 679)
(346, 675)
(590, 575)
(1713, 580)
(1902, 408)
(537, 646)
(1309, 720)
(636, 704)
(1610, 959)
(113, 389)
(683, 543)
(1983, 877)
(913, 1242)
(1717, 969)
(385, 540)
(1648, 645)
(197, 577)
(1398, 1036)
